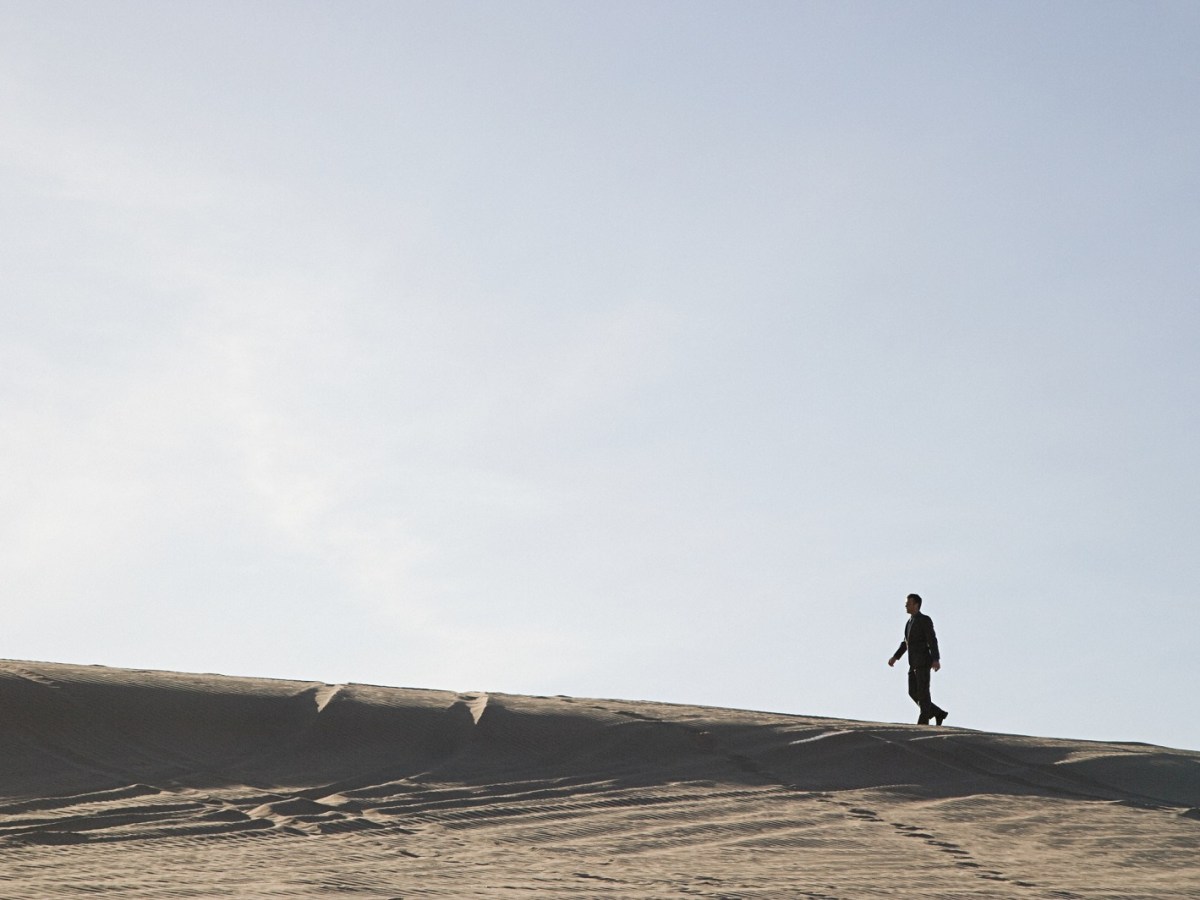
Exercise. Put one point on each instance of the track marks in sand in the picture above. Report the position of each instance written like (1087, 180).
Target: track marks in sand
(959, 856)
(141, 812)
(776, 832)
(111, 816)
(299, 814)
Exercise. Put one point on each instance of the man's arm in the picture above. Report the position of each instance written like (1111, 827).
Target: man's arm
(934, 655)
(899, 653)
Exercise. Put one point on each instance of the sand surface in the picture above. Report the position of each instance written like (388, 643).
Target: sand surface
(154, 784)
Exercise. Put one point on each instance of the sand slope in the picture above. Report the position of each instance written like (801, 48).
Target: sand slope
(156, 784)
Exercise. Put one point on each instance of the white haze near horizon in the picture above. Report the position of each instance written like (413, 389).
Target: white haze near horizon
(644, 350)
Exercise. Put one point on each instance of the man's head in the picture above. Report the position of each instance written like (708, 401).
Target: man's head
(913, 604)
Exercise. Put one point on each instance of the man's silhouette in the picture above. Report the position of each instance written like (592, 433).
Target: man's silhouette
(921, 643)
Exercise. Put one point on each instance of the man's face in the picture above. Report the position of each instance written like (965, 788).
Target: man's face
(910, 605)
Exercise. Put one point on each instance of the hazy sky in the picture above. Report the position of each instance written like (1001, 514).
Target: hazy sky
(646, 350)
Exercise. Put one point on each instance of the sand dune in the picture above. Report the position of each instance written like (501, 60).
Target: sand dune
(155, 784)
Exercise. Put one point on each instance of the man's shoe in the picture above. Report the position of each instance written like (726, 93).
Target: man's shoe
(922, 721)
(942, 718)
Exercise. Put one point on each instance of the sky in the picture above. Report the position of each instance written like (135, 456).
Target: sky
(642, 350)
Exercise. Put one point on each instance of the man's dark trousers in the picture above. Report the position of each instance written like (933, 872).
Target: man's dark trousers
(918, 689)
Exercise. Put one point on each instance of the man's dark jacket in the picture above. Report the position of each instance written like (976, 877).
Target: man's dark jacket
(920, 642)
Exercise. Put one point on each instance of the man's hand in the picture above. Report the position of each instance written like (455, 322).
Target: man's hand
(892, 661)
(937, 665)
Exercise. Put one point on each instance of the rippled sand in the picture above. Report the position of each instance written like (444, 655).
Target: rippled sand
(155, 784)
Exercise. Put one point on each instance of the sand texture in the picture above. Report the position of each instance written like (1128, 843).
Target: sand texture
(140, 784)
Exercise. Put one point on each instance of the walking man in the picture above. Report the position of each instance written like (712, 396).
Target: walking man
(921, 643)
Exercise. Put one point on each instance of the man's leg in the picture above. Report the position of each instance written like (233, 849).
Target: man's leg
(918, 689)
(929, 709)
(936, 712)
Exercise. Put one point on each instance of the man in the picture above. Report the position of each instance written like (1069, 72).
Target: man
(921, 643)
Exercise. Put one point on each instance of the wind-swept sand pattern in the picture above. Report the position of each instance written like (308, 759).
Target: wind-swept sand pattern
(153, 784)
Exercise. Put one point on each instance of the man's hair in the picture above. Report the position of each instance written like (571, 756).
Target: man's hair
(915, 598)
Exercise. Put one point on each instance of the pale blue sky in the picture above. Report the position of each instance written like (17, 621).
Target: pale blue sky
(643, 350)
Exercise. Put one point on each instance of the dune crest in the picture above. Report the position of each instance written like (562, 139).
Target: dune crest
(259, 787)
